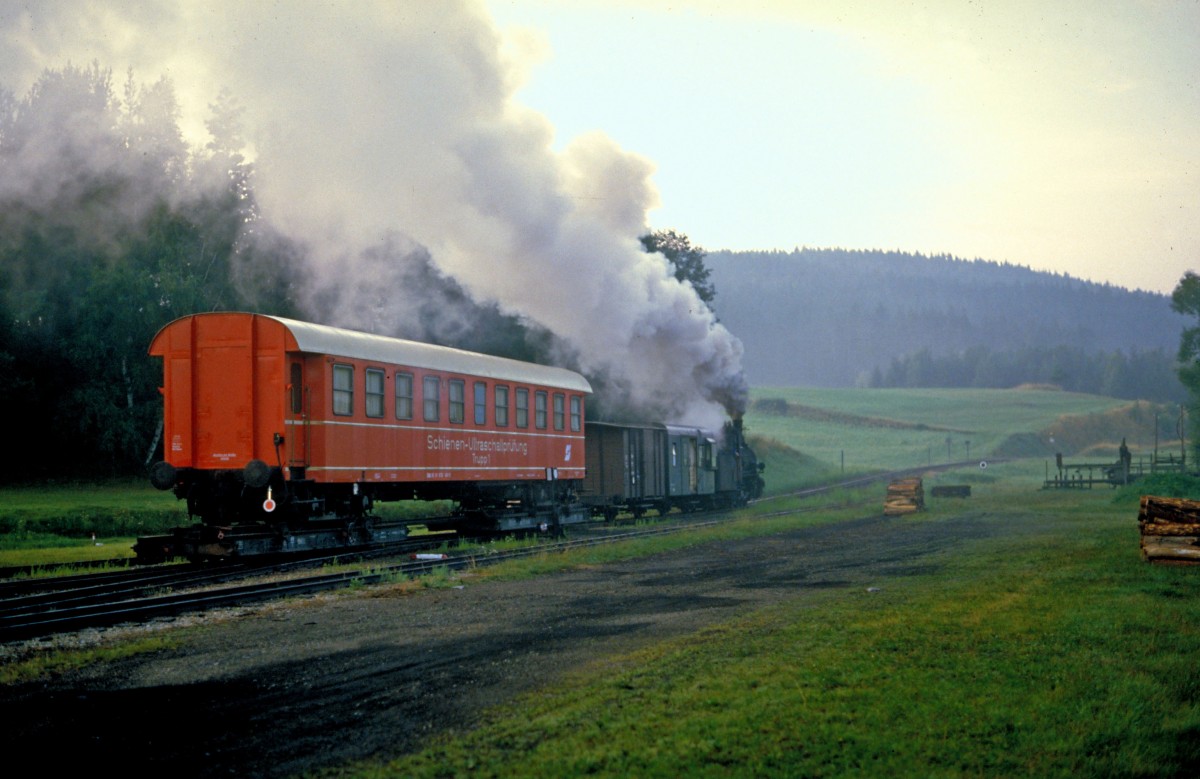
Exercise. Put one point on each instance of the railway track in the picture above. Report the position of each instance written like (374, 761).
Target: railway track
(103, 600)
(37, 607)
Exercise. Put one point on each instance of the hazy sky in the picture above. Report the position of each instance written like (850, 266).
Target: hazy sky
(1060, 135)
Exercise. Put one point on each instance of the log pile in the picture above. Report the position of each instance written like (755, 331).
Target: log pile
(1170, 529)
(904, 496)
(951, 491)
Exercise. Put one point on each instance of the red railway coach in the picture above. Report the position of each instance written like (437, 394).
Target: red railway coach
(275, 420)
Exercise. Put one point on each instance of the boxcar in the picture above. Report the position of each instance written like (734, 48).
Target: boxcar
(271, 419)
(626, 469)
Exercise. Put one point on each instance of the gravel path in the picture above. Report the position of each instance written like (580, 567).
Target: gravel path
(317, 683)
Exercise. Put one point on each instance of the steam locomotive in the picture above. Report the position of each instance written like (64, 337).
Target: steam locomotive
(272, 421)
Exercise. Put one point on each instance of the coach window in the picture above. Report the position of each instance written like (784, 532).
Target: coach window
(522, 407)
(539, 409)
(458, 399)
(374, 393)
(431, 396)
(502, 406)
(576, 413)
(343, 390)
(480, 403)
(404, 396)
(560, 411)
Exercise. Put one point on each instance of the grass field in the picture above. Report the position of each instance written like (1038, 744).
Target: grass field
(872, 429)
(62, 523)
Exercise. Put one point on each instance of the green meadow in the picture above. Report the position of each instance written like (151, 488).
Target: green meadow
(883, 429)
(54, 524)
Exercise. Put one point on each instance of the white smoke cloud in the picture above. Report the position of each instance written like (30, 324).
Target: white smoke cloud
(373, 118)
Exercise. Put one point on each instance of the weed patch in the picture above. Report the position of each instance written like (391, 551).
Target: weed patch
(43, 665)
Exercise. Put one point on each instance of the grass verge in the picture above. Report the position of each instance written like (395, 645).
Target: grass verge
(41, 665)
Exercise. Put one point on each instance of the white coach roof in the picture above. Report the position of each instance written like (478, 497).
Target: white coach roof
(334, 341)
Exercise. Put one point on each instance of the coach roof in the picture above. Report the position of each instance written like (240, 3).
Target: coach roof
(322, 339)
(352, 344)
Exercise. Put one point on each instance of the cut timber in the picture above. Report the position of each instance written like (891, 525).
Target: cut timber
(951, 491)
(1181, 510)
(904, 496)
(1170, 530)
(1178, 548)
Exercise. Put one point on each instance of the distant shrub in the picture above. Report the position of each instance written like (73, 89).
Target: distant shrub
(773, 406)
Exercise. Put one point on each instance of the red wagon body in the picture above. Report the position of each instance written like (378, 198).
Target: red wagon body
(280, 402)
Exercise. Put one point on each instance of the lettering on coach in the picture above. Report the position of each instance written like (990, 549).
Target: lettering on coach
(474, 445)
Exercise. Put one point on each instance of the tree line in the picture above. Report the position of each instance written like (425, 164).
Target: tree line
(840, 318)
(110, 227)
(1136, 375)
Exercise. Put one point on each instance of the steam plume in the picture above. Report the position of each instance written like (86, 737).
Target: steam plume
(395, 124)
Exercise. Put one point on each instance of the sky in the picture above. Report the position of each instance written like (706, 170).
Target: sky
(1060, 135)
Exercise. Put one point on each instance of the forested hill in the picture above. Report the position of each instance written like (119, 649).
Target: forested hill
(832, 317)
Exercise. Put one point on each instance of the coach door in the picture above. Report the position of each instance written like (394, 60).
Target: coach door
(297, 406)
(223, 396)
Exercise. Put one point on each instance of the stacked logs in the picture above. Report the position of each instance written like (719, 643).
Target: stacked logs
(904, 496)
(1170, 530)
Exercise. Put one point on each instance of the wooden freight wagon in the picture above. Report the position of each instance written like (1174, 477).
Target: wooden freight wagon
(626, 469)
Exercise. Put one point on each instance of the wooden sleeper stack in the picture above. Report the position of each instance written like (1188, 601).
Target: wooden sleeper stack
(1170, 529)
